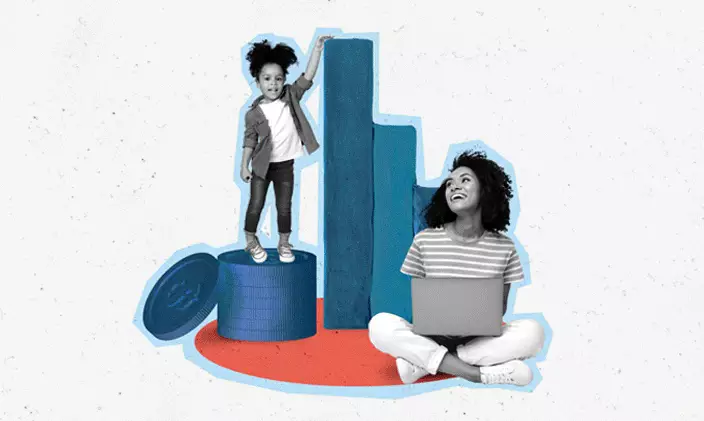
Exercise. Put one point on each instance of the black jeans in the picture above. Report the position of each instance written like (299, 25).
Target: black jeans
(281, 174)
(451, 342)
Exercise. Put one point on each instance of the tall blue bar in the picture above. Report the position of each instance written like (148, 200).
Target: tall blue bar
(394, 177)
(348, 178)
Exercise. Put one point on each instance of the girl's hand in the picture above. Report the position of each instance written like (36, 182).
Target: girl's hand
(245, 174)
(315, 57)
(321, 40)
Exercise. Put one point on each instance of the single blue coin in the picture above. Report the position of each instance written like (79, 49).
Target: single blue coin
(182, 297)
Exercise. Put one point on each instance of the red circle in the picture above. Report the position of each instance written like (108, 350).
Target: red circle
(330, 358)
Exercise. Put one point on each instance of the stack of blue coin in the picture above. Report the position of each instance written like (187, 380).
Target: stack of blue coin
(271, 301)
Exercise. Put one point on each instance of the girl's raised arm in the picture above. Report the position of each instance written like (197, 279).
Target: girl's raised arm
(314, 59)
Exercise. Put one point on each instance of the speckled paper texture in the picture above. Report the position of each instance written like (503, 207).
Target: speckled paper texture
(119, 122)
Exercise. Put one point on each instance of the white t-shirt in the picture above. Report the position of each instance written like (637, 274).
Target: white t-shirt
(285, 142)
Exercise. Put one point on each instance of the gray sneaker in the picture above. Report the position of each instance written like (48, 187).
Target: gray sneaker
(256, 251)
(285, 252)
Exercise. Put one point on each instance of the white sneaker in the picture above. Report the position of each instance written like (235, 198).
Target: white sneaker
(285, 252)
(513, 372)
(256, 251)
(409, 373)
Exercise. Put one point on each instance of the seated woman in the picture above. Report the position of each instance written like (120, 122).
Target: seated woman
(465, 218)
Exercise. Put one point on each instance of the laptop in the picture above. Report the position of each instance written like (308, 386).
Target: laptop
(457, 306)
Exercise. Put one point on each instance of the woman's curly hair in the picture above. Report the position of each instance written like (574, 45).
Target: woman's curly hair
(262, 53)
(494, 197)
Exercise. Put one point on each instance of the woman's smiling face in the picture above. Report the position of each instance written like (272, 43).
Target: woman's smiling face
(462, 190)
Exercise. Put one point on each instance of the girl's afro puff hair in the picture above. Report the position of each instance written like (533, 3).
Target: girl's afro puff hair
(262, 53)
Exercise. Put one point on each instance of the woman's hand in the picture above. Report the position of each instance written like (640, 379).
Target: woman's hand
(245, 174)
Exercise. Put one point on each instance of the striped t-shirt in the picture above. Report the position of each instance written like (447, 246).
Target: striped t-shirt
(435, 254)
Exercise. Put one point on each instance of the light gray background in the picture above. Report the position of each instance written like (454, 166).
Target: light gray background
(119, 122)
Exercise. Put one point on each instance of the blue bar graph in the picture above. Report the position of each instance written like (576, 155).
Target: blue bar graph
(394, 177)
(348, 182)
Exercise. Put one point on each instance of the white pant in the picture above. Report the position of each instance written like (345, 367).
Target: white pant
(391, 334)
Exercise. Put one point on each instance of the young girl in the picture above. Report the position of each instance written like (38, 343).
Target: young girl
(276, 130)
(465, 217)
